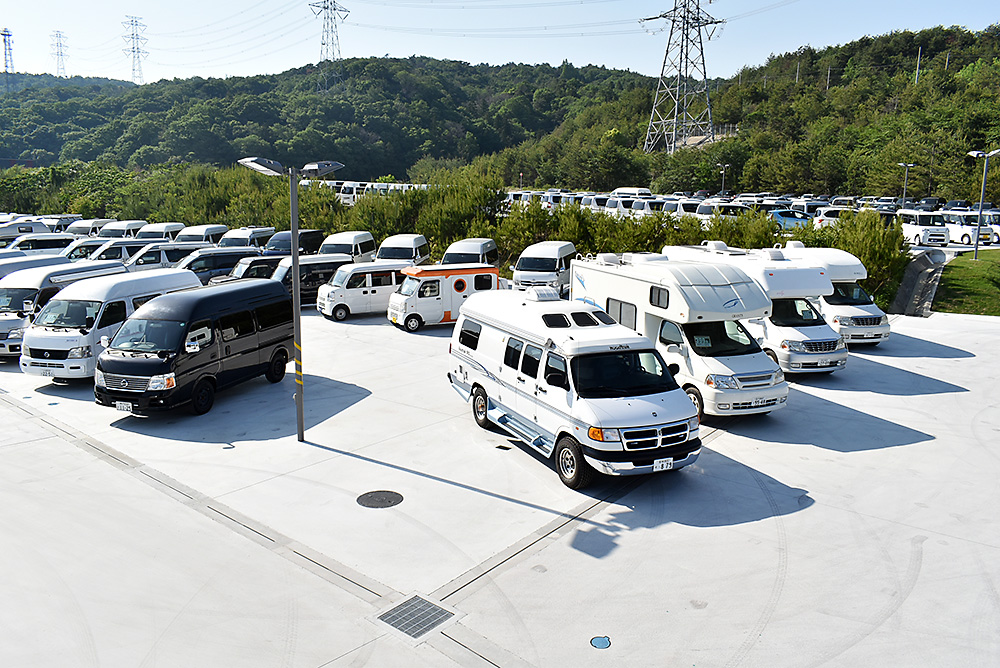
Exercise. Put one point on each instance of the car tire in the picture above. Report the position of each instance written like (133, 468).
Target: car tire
(480, 404)
(573, 469)
(412, 323)
(276, 368)
(966, 239)
(202, 397)
(695, 396)
(774, 358)
(916, 240)
(341, 312)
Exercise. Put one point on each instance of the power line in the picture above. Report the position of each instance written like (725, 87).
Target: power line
(59, 52)
(136, 50)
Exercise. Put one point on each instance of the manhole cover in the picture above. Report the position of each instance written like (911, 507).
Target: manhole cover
(416, 616)
(380, 499)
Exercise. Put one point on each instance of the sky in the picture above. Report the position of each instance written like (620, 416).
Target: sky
(222, 38)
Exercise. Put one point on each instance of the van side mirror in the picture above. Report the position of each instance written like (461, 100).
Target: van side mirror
(191, 346)
(674, 369)
(756, 321)
(512, 267)
(105, 341)
(675, 349)
(557, 379)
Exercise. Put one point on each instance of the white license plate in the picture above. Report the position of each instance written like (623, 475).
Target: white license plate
(124, 406)
(758, 402)
(824, 362)
(663, 464)
(870, 335)
(48, 372)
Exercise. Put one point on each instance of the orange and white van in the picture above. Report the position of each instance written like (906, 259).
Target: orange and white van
(433, 294)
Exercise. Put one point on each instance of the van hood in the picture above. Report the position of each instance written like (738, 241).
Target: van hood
(126, 365)
(9, 321)
(738, 364)
(866, 310)
(625, 412)
(819, 332)
(52, 338)
(536, 277)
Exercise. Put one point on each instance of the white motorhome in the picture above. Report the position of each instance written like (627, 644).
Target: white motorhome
(923, 228)
(359, 245)
(795, 335)
(360, 288)
(572, 384)
(247, 236)
(66, 337)
(433, 294)
(692, 311)
(23, 293)
(545, 264)
(412, 247)
(848, 310)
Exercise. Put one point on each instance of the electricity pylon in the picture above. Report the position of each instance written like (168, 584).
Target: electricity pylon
(330, 75)
(8, 57)
(136, 41)
(682, 111)
(59, 52)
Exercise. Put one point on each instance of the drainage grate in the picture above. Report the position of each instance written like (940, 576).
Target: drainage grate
(380, 499)
(415, 617)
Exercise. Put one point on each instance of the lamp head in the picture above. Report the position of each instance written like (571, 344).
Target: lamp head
(263, 165)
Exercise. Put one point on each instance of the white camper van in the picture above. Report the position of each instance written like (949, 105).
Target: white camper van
(12, 230)
(848, 310)
(433, 294)
(544, 264)
(88, 227)
(360, 288)
(572, 384)
(795, 335)
(692, 311)
(65, 338)
(359, 245)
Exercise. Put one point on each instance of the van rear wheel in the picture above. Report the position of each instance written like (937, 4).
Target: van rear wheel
(276, 369)
(203, 397)
(340, 312)
(412, 323)
(480, 406)
(572, 468)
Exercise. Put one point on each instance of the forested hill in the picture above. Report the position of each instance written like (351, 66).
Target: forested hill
(388, 114)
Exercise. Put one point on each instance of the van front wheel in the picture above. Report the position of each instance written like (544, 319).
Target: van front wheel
(480, 405)
(203, 397)
(276, 369)
(572, 468)
(412, 323)
(340, 313)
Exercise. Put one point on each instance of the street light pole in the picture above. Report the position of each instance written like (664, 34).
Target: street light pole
(312, 170)
(722, 169)
(982, 194)
(906, 177)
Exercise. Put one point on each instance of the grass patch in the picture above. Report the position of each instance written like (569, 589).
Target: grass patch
(970, 286)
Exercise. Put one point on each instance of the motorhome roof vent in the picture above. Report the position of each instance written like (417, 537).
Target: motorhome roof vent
(635, 258)
(715, 246)
(795, 244)
(542, 294)
(772, 253)
(608, 258)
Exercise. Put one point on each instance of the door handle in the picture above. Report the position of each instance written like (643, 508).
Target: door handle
(438, 299)
(364, 292)
(228, 351)
(520, 380)
(541, 389)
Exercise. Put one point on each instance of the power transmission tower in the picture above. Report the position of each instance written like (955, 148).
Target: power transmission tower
(681, 109)
(59, 52)
(8, 57)
(136, 42)
(330, 76)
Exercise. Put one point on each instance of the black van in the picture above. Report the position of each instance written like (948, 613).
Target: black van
(314, 271)
(281, 242)
(208, 263)
(180, 348)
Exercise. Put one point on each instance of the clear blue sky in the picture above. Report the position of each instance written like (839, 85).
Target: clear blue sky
(223, 38)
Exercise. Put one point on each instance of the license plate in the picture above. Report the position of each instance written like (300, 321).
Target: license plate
(394, 319)
(663, 464)
(870, 335)
(124, 406)
(758, 402)
(48, 372)
(824, 362)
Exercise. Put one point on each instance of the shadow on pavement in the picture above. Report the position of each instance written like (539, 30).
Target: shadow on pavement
(901, 345)
(867, 375)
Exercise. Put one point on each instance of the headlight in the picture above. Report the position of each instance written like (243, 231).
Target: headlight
(554, 284)
(843, 320)
(99, 378)
(721, 382)
(779, 377)
(598, 434)
(884, 320)
(693, 425)
(841, 343)
(79, 353)
(164, 382)
(15, 333)
(793, 346)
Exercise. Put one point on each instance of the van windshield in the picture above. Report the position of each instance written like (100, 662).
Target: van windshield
(795, 313)
(340, 278)
(280, 243)
(13, 299)
(71, 314)
(536, 264)
(848, 294)
(720, 339)
(621, 374)
(409, 286)
(336, 248)
(460, 258)
(189, 237)
(227, 242)
(395, 253)
(149, 336)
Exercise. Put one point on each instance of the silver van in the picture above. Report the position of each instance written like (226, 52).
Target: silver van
(478, 250)
(357, 244)
(163, 254)
(412, 247)
(361, 288)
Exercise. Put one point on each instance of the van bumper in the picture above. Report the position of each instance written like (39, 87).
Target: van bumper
(856, 334)
(68, 368)
(146, 402)
(812, 362)
(639, 462)
(744, 402)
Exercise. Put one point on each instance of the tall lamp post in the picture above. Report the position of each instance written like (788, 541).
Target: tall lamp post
(982, 194)
(722, 170)
(312, 170)
(906, 177)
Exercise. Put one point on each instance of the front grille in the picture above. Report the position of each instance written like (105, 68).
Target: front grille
(872, 321)
(677, 452)
(41, 353)
(3, 336)
(749, 404)
(659, 436)
(126, 383)
(819, 346)
(935, 237)
(748, 380)
(46, 365)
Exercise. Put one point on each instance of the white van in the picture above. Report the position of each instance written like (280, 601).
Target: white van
(118, 249)
(479, 250)
(412, 247)
(247, 236)
(210, 233)
(160, 231)
(13, 230)
(848, 310)
(359, 245)
(65, 338)
(795, 335)
(572, 384)
(963, 226)
(44, 243)
(360, 288)
(923, 228)
(82, 248)
(121, 229)
(162, 254)
(23, 293)
(632, 192)
(434, 294)
(544, 264)
(16, 261)
(89, 227)
(692, 312)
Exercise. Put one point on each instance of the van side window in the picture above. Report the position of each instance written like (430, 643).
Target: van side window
(670, 333)
(430, 289)
(357, 280)
(659, 297)
(368, 246)
(152, 257)
(114, 313)
(621, 311)
(259, 271)
(530, 361)
(202, 264)
(492, 256)
(423, 249)
(235, 325)
(201, 332)
(555, 320)
(381, 278)
(469, 334)
(583, 319)
(139, 301)
(555, 364)
(483, 282)
(272, 315)
(400, 277)
(177, 254)
(512, 355)
(44, 295)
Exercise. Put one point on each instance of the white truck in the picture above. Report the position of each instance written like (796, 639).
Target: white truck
(795, 335)
(848, 309)
(572, 384)
(692, 311)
